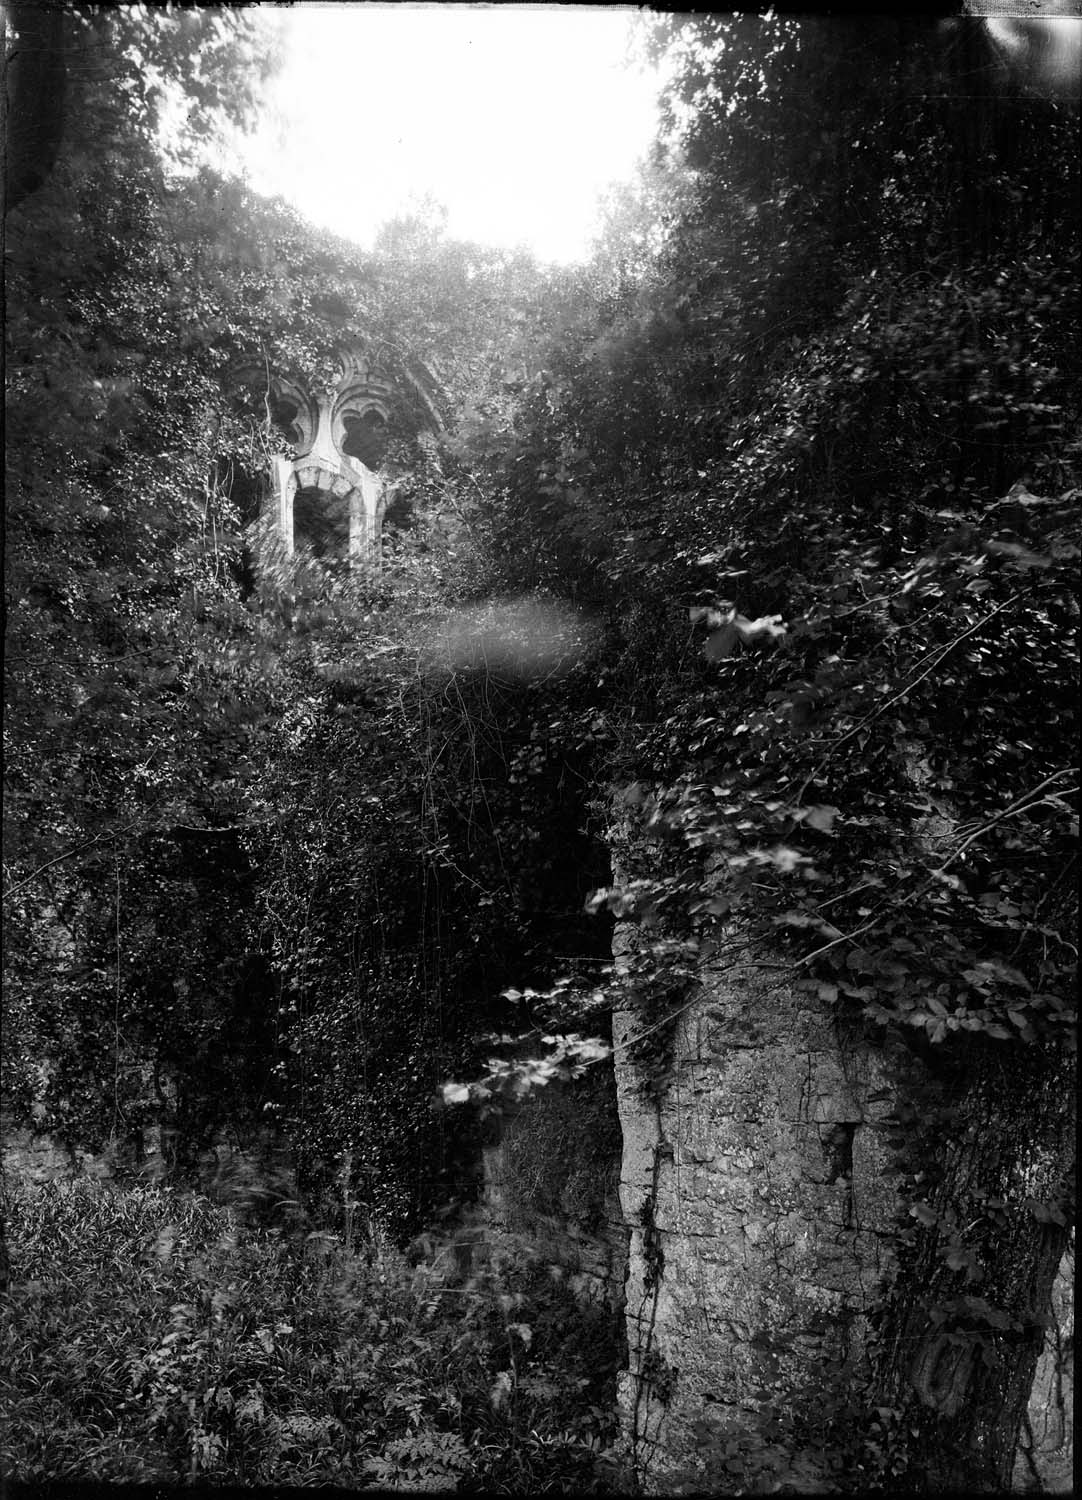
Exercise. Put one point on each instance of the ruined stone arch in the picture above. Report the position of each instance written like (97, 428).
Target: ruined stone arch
(328, 495)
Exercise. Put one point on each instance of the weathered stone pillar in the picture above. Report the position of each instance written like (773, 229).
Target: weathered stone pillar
(793, 1317)
(1045, 1461)
(753, 1184)
(282, 491)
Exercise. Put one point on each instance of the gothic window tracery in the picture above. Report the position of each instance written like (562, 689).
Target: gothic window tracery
(296, 414)
(325, 500)
(364, 436)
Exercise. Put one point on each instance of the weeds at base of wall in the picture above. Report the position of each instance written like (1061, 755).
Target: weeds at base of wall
(811, 1446)
(148, 1336)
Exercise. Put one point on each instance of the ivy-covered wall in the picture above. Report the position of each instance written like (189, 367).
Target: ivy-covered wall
(801, 449)
(785, 1317)
(551, 1172)
(804, 1304)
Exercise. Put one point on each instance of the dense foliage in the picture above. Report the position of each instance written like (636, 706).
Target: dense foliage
(133, 687)
(832, 471)
(766, 519)
(819, 462)
(158, 1337)
(173, 715)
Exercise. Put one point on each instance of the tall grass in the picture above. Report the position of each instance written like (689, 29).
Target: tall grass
(147, 1335)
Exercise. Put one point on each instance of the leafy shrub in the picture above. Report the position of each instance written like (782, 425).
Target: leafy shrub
(149, 1336)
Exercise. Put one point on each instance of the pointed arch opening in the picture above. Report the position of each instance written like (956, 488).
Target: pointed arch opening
(321, 526)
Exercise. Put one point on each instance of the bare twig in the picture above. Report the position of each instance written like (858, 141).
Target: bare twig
(68, 854)
(1014, 811)
(882, 708)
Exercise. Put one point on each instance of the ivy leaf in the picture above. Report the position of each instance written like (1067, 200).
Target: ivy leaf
(982, 1310)
(805, 919)
(821, 818)
(1044, 1213)
(500, 1391)
(770, 626)
(1021, 556)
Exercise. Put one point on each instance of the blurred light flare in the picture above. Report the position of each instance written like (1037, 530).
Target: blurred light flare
(1047, 49)
(525, 636)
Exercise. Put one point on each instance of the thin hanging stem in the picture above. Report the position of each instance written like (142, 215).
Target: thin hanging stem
(116, 1007)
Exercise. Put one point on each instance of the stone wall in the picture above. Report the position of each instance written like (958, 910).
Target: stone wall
(551, 1174)
(755, 1195)
(757, 1185)
(1045, 1462)
(232, 1169)
(39, 1158)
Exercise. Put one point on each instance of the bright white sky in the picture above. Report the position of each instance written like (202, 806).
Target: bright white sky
(514, 118)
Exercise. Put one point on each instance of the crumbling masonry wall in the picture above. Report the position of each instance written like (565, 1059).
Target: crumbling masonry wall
(551, 1173)
(758, 1188)
(757, 1182)
(755, 1194)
